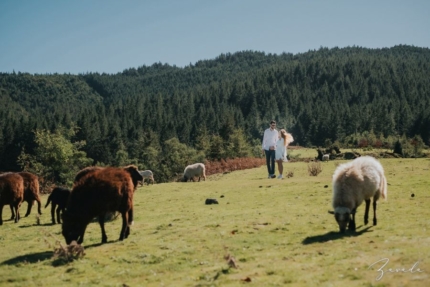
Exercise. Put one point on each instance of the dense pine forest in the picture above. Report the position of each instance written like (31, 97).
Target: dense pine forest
(164, 117)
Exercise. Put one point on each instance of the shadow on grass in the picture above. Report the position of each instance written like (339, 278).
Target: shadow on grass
(332, 235)
(31, 225)
(41, 256)
(29, 258)
(99, 244)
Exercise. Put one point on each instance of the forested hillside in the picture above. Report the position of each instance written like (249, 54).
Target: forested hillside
(162, 116)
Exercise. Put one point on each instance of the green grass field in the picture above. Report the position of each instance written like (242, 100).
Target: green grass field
(277, 231)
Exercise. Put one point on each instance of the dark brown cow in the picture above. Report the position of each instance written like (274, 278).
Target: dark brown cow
(31, 193)
(96, 193)
(58, 199)
(11, 193)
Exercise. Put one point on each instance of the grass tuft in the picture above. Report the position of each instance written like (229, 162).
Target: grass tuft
(314, 168)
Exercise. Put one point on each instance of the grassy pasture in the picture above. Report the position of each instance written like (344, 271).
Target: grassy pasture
(278, 231)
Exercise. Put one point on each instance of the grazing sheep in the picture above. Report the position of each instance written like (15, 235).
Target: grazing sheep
(326, 157)
(197, 169)
(58, 199)
(31, 193)
(146, 174)
(11, 193)
(96, 193)
(353, 182)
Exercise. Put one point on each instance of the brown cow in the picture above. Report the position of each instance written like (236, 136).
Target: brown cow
(96, 193)
(85, 171)
(11, 193)
(31, 193)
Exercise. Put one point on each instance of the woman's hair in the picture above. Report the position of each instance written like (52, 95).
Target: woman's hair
(288, 138)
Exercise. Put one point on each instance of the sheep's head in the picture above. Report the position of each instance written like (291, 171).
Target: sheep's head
(342, 216)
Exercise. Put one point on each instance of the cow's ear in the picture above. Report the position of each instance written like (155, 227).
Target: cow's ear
(331, 211)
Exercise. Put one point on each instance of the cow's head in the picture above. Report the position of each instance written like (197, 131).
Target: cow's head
(134, 173)
(73, 228)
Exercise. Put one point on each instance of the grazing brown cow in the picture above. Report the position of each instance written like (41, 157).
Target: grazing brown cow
(11, 192)
(96, 193)
(58, 199)
(31, 193)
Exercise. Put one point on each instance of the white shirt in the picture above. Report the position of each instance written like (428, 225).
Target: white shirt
(270, 138)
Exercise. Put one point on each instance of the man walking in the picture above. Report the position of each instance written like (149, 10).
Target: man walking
(269, 146)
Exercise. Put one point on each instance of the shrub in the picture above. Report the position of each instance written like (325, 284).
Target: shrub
(314, 168)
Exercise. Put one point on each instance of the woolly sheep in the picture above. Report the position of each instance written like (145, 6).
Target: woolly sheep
(146, 174)
(326, 157)
(355, 181)
(197, 169)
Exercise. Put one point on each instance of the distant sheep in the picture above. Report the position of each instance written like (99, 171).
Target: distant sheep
(194, 170)
(353, 182)
(58, 199)
(146, 174)
(95, 194)
(11, 193)
(326, 157)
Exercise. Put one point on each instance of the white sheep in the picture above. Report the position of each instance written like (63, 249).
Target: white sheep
(197, 169)
(326, 157)
(146, 174)
(353, 182)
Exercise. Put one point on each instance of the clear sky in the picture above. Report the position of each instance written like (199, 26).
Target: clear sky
(108, 36)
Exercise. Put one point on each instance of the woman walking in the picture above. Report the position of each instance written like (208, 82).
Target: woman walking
(281, 150)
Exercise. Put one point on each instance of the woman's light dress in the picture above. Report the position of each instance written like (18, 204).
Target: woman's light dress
(281, 150)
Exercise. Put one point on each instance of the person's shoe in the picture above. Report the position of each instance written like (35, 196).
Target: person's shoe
(280, 176)
(273, 175)
(270, 176)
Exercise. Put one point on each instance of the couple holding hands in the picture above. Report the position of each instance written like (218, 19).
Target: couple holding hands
(275, 148)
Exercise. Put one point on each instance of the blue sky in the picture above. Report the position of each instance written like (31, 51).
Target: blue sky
(51, 36)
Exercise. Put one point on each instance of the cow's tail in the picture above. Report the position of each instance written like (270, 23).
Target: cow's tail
(49, 200)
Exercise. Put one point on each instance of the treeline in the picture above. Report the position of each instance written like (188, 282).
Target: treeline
(161, 117)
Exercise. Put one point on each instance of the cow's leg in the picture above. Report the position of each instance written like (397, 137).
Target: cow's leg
(29, 206)
(81, 237)
(53, 206)
(39, 205)
(1, 211)
(17, 216)
(130, 222)
(102, 226)
(58, 213)
(12, 212)
(124, 227)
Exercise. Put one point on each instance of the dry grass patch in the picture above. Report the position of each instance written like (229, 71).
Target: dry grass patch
(314, 168)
